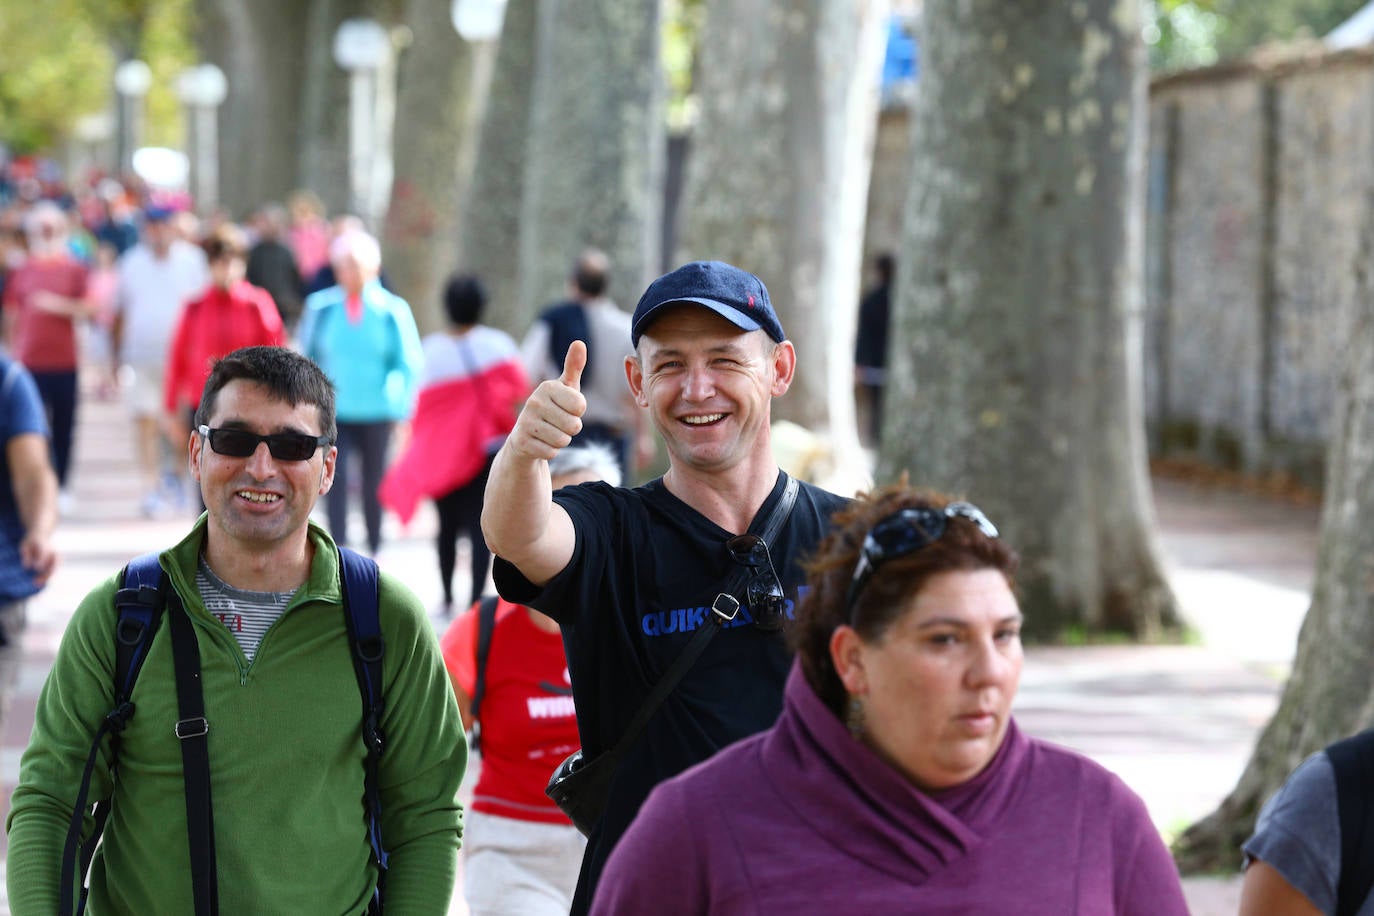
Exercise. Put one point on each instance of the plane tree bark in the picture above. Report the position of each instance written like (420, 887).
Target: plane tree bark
(777, 178)
(1016, 363)
(594, 167)
(1330, 692)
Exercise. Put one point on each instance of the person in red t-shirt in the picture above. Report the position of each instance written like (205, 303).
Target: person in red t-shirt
(44, 298)
(521, 854)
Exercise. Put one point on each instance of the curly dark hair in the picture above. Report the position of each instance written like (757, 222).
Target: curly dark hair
(888, 594)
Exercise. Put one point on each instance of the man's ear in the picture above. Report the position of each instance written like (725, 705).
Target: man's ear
(847, 655)
(193, 451)
(634, 374)
(784, 367)
(327, 469)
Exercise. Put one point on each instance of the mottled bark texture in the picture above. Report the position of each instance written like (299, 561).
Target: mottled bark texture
(594, 171)
(778, 176)
(1330, 693)
(434, 126)
(1015, 367)
(258, 44)
(284, 122)
(489, 219)
(322, 128)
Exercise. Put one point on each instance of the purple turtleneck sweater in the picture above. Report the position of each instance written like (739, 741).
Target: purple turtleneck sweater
(804, 819)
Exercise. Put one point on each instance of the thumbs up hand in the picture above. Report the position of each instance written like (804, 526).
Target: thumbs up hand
(553, 413)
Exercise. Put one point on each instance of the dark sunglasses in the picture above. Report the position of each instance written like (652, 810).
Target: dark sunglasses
(240, 443)
(906, 531)
(767, 604)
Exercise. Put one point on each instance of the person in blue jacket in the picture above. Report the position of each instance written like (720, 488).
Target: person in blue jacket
(365, 340)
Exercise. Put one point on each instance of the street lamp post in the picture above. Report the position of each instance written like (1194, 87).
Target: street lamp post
(202, 89)
(478, 20)
(360, 47)
(132, 79)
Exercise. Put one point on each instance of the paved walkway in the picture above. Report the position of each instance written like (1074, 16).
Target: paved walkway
(1177, 722)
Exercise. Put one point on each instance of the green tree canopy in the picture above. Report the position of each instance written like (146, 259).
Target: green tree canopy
(59, 64)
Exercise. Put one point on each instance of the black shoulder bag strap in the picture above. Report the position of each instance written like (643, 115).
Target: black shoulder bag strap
(1353, 762)
(486, 625)
(723, 611)
(192, 730)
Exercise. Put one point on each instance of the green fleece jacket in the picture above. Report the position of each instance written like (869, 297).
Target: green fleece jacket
(286, 761)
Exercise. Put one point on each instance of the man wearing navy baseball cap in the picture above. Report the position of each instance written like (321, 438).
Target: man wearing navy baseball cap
(632, 575)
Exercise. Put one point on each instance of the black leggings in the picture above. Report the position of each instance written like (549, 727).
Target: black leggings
(460, 515)
(366, 442)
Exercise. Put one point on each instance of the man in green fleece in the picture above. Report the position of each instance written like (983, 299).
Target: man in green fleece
(262, 586)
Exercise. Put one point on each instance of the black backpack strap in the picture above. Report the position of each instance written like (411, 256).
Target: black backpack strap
(486, 625)
(138, 609)
(363, 617)
(192, 730)
(1353, 762)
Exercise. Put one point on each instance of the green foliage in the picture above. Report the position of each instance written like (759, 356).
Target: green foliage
(1189, 33)
(55, 66)
(682, 22)
(59, 58)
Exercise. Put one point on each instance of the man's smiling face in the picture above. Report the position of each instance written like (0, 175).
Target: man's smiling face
(260, 501)
(708, 385)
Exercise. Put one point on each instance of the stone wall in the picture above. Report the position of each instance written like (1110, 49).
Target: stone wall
(1259, 177)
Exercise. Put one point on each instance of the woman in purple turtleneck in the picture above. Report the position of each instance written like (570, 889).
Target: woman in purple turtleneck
(895, 780)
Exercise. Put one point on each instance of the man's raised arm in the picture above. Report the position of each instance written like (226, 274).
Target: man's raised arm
(520, 520)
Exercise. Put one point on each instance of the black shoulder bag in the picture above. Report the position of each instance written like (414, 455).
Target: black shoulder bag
(580, 787)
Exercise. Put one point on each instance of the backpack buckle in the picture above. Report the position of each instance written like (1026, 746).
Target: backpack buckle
(191, 728)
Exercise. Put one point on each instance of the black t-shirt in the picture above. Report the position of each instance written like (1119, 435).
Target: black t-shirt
(645, 570)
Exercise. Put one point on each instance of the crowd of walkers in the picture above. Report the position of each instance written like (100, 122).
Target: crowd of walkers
(722, 691)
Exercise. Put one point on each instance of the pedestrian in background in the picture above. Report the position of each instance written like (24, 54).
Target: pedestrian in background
(28, 498)
(44, 299)
(156, 278)
(231, 313)
(272, 266)
(471, 388)
(521, 854)
(365, 340)
(589, 315)
(870, 349)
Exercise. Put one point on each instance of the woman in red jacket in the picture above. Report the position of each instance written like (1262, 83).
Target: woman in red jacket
(231, 313)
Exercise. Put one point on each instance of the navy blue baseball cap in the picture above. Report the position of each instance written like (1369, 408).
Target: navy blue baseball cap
(735, 295)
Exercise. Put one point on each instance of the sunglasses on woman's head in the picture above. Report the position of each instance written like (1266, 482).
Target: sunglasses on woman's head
(767, 603)
(240, 443)
(906, 531)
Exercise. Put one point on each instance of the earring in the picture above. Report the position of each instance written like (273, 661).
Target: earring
(854, 717)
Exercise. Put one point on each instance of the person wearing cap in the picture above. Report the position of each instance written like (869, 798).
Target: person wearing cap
(631, 574)
(156, 278)
(589, 315)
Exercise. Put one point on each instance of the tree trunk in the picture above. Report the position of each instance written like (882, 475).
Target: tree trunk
(777, 178)
(594, 176)
(321, 130)
(433, 127)
(1330, 693)
(489, 220)
(258, 44)
(1016, 376)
